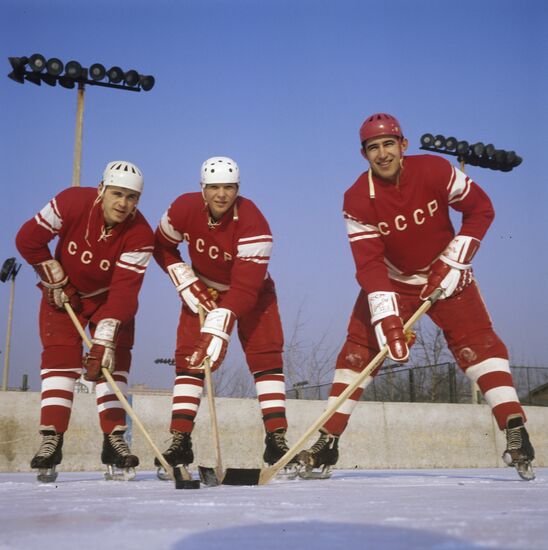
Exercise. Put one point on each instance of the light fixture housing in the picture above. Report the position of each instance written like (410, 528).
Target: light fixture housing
(54, 66)
(131, 78)
(97, 72)
(73, 70)
(37, 63)
(115, 75)
(146, 82)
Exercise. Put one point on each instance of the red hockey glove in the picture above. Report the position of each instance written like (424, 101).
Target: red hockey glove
(388, 324)
(452, 271)
(193, 291)
(214, 340)
(102, 352)
(56, 286)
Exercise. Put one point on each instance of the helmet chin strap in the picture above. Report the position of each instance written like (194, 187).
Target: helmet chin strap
(371, 183)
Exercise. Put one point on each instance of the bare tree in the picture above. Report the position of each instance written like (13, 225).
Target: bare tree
(308, 364)
(430, 347)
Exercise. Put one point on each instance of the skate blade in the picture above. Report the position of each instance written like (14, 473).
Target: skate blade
(119, 474)
(162, 474)
(208, 476)
(311, 473)
(291, 471)
(47, 475)
(525, 470)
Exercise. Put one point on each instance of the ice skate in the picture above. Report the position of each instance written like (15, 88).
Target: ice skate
(178, 454)
(49, 455)
(117, 457)
(275, 448)
(318, 461)
(519, 451)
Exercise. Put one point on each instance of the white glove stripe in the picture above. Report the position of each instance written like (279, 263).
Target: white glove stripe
(382, 304)
(216, 332)
(182, 275)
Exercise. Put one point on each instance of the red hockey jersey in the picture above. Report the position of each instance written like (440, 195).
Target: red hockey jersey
(230, 256)
(95, 261)
(404, 228)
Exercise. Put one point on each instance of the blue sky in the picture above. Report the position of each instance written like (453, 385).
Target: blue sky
(282, 87)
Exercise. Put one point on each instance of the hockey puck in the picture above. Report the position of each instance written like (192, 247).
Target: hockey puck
(187, 484)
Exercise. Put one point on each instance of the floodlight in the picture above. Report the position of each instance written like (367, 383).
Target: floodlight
(427, 140)
(54, 66)
(115, 75)
(146, 82)
(37, 63)
(478, 149)
(462, 147)
(131, 78)
(49, 79)
(18, 66)
(451, 143)
(97, 71)
(73, 70)
(489, 150)
(34, 78)
(439, 142)
(66, 82)
(9, 270)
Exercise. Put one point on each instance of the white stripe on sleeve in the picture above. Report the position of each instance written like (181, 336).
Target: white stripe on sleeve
(259, 250)
(49, 217)
(169, 231)
(459, 186)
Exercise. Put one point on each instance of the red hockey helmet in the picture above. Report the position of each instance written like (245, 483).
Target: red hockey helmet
(380, 124)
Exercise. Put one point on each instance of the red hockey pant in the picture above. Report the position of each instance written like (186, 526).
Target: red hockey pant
(260, 333)
(62, 365)
(469, 333)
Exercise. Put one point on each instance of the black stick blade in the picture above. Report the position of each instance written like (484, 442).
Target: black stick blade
(242, 476)
(183, 479)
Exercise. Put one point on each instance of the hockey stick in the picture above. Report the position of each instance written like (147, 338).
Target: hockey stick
(264, 475)
(181, 473)
(208, 476)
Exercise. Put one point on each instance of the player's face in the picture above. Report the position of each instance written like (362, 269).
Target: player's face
(219, 198)
(118, 203)
(384, 155)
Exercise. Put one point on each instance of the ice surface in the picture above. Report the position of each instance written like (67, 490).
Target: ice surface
(373, 509)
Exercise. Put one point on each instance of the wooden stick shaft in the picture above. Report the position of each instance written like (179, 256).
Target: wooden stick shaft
(268, 473)
(129, 410)
(212, 408)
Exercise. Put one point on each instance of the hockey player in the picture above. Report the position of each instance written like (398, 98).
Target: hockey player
(229, 245)
(104, 246)
(404, 247)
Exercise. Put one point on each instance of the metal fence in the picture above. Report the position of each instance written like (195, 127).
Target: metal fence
(442, 383)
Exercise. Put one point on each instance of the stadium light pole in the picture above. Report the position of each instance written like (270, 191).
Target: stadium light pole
(51, 72)
(9, 271)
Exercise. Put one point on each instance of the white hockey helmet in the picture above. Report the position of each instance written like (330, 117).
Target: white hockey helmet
(218, 170)
(123, 174)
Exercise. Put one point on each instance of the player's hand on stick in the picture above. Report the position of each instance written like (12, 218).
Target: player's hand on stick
(103, 349)
(192, 291)
(388, 324)
(452, 271)
(57, 288)
(213, 343)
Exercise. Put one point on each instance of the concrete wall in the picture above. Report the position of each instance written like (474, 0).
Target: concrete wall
(380, 435)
